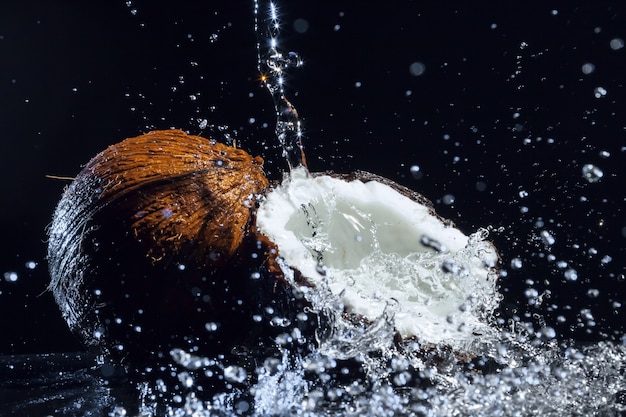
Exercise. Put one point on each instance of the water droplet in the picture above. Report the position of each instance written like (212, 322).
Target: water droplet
(402, 379)
(586, 314)
(432, 243)
(10, 276)
(321, 268)
(118, 411)
(97, 333)
(449, 267)
(593, 293)
(592, 173)
(185, 379)
(242, 407)
(547, 333)
(571, 274)
(547, 238)
(417, 68)
(606, 259)
(599, 92)
(448, 199)
(588, 68)
(416, 172)
(531, 293)
(616, 43)
(516, 263)
(280, 322)
(301, 25)
(167, 213)
(31, 265)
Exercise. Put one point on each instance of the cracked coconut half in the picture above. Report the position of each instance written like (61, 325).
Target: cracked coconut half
(381, 249)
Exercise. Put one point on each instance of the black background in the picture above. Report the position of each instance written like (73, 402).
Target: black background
(503, 101)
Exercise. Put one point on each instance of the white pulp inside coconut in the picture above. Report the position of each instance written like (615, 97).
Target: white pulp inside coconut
(381, 252)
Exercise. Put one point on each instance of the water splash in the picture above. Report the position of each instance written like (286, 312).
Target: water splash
(521, 377)
(273, 65)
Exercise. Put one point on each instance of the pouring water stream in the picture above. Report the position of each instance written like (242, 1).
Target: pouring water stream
(273, 65)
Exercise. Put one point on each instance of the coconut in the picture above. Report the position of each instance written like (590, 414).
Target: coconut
(172, 240)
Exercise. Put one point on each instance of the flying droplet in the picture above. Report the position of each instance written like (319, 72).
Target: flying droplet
(547, 333)
(599, 92)
(516, 263)
(616, 43)
(571, 275)
(592, 173)
(417, 68)
(448, 199)
(416, 172)
(301, 25)
(547, 238)
(235, 374)
(588, 68)
(10, 276)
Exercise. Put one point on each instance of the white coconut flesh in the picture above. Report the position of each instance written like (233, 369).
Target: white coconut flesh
(381, 252)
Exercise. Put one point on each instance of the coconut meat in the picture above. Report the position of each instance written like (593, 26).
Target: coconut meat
(380, 252)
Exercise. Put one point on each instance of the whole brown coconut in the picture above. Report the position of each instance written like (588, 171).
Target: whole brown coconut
(151, 248)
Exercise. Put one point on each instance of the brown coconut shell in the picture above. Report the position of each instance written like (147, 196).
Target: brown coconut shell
(183, 188)
(151, 245)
